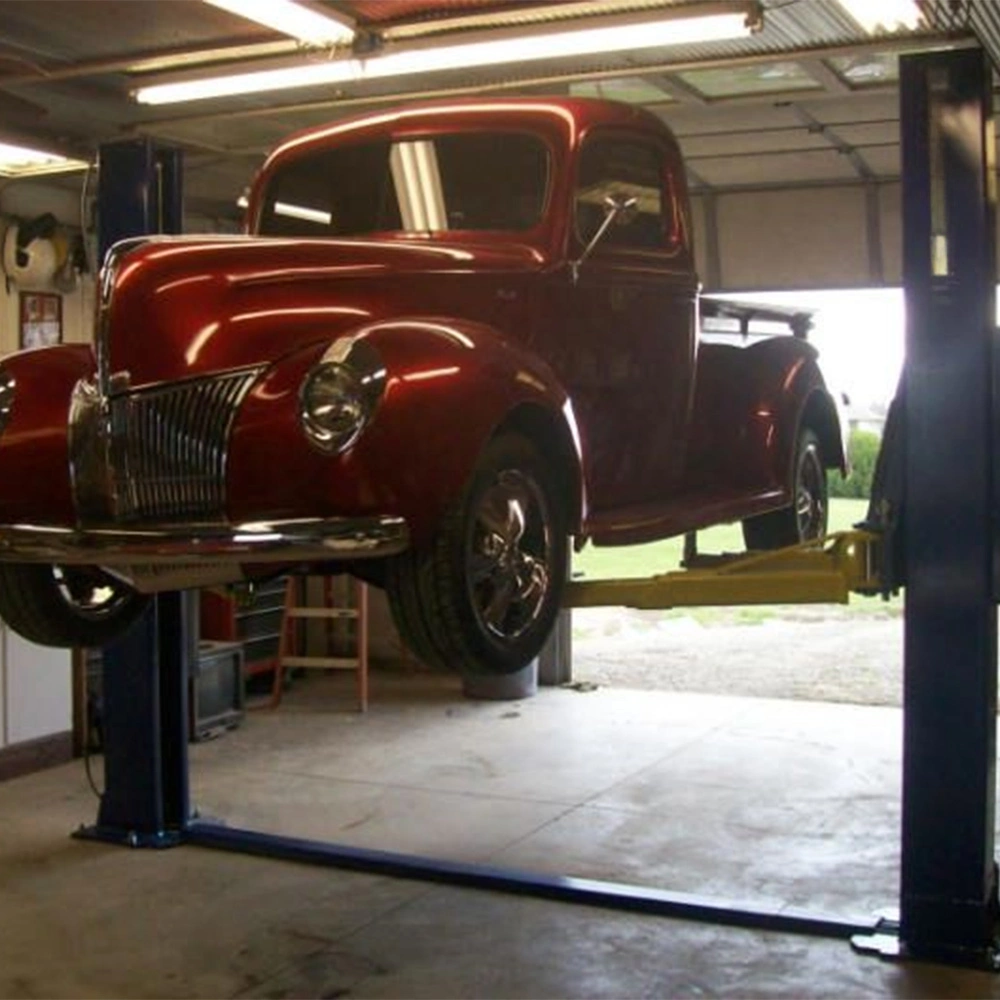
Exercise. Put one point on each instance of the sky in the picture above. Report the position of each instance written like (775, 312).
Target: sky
(859, 335)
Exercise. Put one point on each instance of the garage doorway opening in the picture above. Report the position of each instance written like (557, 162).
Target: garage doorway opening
(850, 654)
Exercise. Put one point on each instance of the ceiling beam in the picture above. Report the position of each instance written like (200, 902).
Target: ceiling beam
(146, 60)
(822, 74)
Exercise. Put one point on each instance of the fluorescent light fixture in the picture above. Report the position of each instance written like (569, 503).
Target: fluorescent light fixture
(201, 57)
(884, 15)
(292, 19)
(21, 161)
(729, 21)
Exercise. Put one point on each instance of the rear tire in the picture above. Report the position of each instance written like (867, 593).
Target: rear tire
(66, 606)
(483, 596)
(803, 520)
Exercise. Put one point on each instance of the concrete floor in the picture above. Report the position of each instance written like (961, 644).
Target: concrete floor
(787, 803)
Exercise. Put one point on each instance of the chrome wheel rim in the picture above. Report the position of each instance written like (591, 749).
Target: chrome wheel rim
(91, 594)
(810, 496)
(509, 556)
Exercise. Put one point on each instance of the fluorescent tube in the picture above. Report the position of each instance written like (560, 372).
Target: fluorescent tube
(616, 37)
(292, 19)
(21, 161)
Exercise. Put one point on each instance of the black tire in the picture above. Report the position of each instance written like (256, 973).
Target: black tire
(406, 606)
(483, 597)
(803, 520)
(66, 606)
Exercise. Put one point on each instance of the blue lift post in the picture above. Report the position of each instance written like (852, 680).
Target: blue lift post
(948, 883)
(144, 674)
(145, 802)
(139, 191)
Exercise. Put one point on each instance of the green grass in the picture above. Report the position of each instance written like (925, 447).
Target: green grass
(618, 562)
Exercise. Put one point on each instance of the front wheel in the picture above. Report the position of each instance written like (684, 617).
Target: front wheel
(483, 596)
(804, 519)
(66, 606)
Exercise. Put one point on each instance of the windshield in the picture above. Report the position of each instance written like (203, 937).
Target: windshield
(468, 180)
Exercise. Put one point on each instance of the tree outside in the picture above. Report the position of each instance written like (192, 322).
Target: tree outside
(862, 452)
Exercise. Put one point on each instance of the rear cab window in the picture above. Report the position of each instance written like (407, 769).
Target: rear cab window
(496, 181)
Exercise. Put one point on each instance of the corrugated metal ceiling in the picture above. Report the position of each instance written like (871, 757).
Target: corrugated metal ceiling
(66, 72)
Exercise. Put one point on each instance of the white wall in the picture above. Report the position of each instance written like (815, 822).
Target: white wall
(36, 689)
(35, 682)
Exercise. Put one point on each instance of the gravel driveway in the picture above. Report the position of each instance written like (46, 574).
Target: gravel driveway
(819, 653)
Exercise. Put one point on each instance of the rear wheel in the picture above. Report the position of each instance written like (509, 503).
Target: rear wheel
(482, 597)
(805, 518)
(66, 606)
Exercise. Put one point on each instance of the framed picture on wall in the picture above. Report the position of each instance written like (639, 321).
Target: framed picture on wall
(41, 319)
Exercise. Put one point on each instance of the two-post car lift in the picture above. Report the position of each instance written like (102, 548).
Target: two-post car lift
(146, 802)
(939, 476)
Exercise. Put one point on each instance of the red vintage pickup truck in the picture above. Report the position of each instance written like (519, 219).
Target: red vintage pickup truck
(456, 336)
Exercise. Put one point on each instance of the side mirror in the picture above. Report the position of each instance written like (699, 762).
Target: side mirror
(619, 210)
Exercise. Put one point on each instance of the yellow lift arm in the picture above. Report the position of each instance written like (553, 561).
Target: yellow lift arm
(825, 571)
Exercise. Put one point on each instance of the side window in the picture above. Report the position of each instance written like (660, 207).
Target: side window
(621, 167)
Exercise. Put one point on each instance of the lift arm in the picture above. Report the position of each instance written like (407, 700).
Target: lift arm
(826, 571)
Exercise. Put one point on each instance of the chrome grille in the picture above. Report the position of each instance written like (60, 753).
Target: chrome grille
(170, 447)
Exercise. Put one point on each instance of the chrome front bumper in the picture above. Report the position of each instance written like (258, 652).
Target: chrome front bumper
(302, 540)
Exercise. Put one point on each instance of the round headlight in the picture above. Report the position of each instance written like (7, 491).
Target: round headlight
(7, 386)
(334, 407)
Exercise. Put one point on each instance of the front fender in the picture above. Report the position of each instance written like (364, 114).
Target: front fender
(34, 453)
(449, 385)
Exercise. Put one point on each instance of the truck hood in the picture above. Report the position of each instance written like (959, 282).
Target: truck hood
(175, 307)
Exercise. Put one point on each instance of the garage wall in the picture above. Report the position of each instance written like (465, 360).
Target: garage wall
(77, 312)
(24, 200)
(36, 690)
(35, 682)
